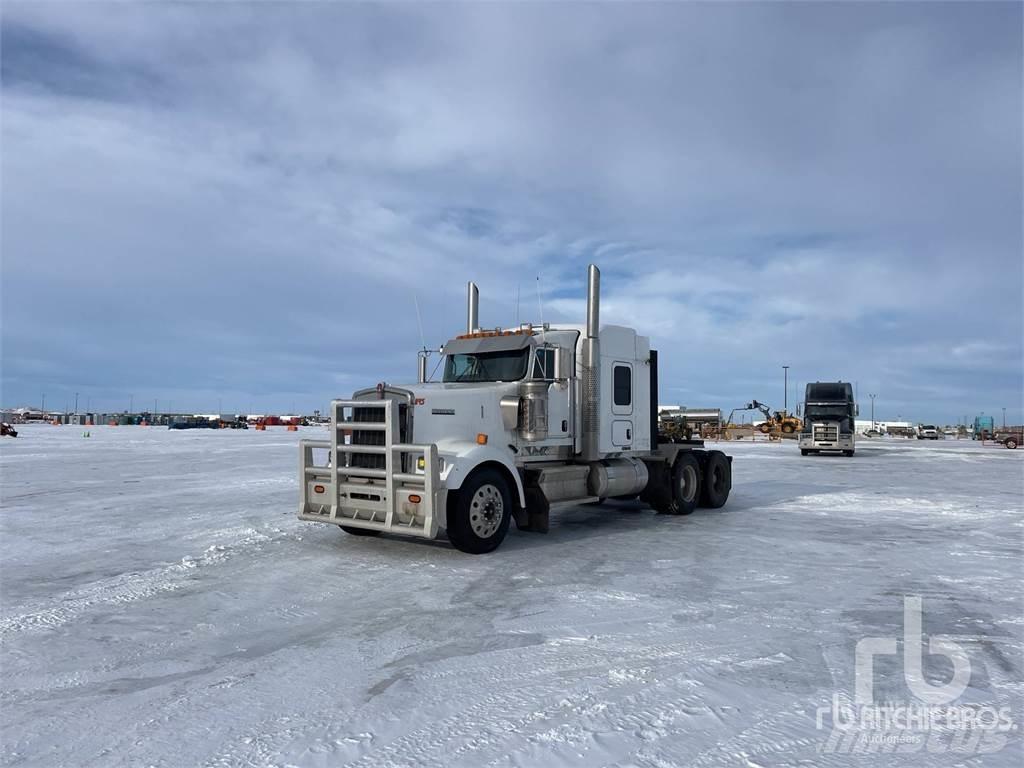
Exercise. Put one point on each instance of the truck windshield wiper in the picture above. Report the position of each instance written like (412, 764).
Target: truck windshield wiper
(479, 368)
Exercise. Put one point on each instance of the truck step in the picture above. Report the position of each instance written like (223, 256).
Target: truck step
(573, 502)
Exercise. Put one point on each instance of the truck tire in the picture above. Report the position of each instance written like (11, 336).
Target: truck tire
(480, 513)
(847, 453)
(789, 429)
(714, 491)
(359, 531)
(1011, 443)
(686, 482)
(804, 452)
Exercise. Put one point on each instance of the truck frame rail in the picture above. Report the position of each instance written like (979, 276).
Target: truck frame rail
(400, 497)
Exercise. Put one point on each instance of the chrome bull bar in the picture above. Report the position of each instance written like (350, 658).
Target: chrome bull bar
(389, 499)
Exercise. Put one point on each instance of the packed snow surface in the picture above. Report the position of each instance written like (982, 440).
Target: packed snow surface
(162, 605)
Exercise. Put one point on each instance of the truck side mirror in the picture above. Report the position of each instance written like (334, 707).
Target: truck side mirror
(509, 407)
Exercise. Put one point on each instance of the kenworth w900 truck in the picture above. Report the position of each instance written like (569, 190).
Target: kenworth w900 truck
(829, 416)
(523, 421)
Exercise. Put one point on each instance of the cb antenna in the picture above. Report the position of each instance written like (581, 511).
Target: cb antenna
(540, 308)
(419, 322)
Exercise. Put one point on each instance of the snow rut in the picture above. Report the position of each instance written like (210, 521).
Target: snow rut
(131, 587)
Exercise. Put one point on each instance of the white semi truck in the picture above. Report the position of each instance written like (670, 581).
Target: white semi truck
(524, 421)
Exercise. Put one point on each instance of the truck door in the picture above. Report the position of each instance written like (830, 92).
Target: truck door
(559, 420)
(622, 404)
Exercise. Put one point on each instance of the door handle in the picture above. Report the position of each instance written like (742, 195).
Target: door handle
(629, 434)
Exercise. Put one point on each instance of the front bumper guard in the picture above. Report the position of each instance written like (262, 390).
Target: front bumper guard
(387, 500)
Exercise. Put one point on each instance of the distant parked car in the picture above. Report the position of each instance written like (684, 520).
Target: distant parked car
(872, 433)
(927, 432)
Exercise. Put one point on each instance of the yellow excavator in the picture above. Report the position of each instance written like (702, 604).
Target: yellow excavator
(774, 421)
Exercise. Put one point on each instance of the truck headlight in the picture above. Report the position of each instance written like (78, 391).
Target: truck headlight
(421, 464)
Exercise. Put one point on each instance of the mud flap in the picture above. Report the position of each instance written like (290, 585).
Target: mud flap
(536, 516)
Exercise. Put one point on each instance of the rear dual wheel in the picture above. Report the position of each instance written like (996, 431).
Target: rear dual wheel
(717, 480)
(686, 484)
(696, 483)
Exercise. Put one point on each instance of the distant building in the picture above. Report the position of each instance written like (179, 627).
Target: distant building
(890, 427)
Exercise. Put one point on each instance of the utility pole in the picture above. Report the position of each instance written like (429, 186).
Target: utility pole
(1004, 417)
(43, 406)
(76, 402)
(785, 388)
(872, 410)
(131, 403)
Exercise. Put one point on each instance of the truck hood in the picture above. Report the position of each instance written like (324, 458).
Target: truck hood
(452, 413)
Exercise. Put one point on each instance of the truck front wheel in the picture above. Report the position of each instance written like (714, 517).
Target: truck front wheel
(479, 515)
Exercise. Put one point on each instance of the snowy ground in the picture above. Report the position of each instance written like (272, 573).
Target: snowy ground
(161, 605)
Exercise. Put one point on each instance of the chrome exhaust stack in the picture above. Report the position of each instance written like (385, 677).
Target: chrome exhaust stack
(472, 307)
(591, 394)
(593, 301)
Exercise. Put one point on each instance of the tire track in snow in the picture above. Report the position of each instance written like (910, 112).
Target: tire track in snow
(131, 587)
(572, 684)
(440, 742)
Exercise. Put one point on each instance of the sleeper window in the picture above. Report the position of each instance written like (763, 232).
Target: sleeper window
(622, 385)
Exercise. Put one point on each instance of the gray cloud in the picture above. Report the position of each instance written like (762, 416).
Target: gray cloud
(242, 201)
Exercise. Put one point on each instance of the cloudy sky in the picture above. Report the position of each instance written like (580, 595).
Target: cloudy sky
(242, 204)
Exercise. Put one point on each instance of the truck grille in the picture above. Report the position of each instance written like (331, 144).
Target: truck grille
(374, 437)
(826, 433)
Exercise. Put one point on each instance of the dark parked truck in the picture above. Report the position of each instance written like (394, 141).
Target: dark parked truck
(829, 413)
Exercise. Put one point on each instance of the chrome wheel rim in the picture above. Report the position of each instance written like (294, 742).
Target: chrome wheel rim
(486, 510)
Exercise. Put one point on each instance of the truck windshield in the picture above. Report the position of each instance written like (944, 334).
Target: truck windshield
(503, 365)
(826, 412)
